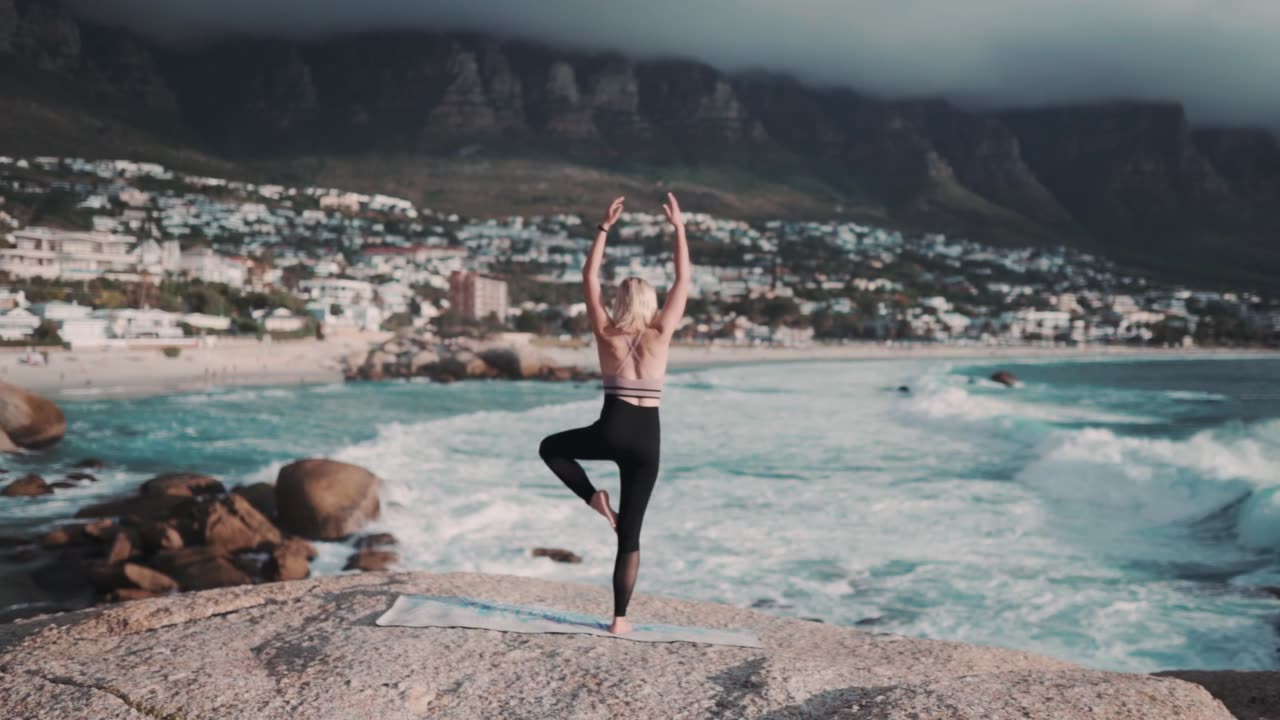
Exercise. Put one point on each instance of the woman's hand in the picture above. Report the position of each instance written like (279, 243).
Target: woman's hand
(613, 213)
(672, 209)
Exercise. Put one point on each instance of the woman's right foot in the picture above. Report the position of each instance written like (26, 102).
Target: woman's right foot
(600, 502)
(620, 626)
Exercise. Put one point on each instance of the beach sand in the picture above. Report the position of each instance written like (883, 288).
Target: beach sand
(139, 372)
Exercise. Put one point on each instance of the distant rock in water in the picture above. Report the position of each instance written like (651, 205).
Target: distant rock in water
(1006, 378)
(27, 486)
(372, 560)
(557, 554)
(28, 421)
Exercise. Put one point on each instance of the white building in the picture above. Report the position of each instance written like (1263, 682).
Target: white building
(338, 290)
(209, 266)
(69, 255)
(18, 324)
(201, 321)
(283, 321)
(130, 323)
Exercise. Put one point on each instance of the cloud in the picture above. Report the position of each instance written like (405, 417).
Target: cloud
(1218, 57)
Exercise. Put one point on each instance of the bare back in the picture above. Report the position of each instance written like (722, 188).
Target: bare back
(648, 359)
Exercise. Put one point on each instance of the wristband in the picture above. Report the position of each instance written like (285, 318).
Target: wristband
(602, 228)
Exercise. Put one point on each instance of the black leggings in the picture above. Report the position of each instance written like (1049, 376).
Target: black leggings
(628, 435)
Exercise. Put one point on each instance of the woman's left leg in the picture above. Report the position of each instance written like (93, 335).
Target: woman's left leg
(638, 479)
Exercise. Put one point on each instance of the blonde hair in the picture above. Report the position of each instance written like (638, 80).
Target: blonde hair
(635, 305)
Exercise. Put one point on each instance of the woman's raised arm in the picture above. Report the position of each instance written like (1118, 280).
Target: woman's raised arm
(591, 271)
(678, 295)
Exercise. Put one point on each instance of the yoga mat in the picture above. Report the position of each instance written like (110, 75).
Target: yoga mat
(452, 611)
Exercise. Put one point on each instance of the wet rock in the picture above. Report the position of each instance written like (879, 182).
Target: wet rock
(261, 496)
(557, 554)
(8, 542)
(157, 536)
(63, 485)
(27, 486)
(376, 540)
(90, 464)
(65, 535)
(108, 576)
(1004, 377)
(1248, 695)
(103, 529)
(290, 560)
(325, 499)
(125, 545)
(81, 477)
(372, 560)
(137, 508)
(126, 594)
(182, 484)
(230, 523)
(173, 562)
(67, 572)
(215, 572)
(27, 420)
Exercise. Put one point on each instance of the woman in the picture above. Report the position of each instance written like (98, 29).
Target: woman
(632, 342)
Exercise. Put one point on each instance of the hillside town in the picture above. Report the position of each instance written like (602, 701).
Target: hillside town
(117, 252)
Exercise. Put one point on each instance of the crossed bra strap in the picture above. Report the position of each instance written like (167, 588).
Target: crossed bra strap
(632, 387)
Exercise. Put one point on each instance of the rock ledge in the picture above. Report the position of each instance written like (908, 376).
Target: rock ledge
(309, 649)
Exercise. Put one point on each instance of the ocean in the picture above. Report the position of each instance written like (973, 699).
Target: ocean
(1122, 514)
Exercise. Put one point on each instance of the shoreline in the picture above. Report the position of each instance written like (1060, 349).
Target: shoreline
(103, 374)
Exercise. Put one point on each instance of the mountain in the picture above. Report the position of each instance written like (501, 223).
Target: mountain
(489, 125)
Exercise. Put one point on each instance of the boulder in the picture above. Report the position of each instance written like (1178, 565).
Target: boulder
(289, 560)
(103, 529)
(90, 464)
(230, 523)
(214, 572)
(376, 540)
(422, 361)
(67, 572)
(126, 545)
(81, 477)
(261, 496)
(371, 560)
(172, 562)
(65, 535)
(557, 554)
(464, 364)
(138, 508)
(183, 484)
(27, 486)
(518, 362)
(325, 499)
(1004, 377)
(28, 420)
(157, 536)
(126, 594)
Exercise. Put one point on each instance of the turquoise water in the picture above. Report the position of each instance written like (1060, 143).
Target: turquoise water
(1119, 514)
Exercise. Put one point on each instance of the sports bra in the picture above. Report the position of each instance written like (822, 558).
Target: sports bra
(632, 387)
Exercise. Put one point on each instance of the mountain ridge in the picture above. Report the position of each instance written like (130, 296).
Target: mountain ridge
(1133, 179)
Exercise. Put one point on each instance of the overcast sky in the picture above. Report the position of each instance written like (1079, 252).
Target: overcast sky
(1221, 58)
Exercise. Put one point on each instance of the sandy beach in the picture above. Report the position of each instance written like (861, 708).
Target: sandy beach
(140, 372)
(121, 373)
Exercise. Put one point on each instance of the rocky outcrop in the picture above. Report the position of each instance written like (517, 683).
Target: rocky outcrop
(457, 359)
(27, 486)
(184, 531)
(48, 35)
(256, 651)
(28, 420)
(325, 499)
